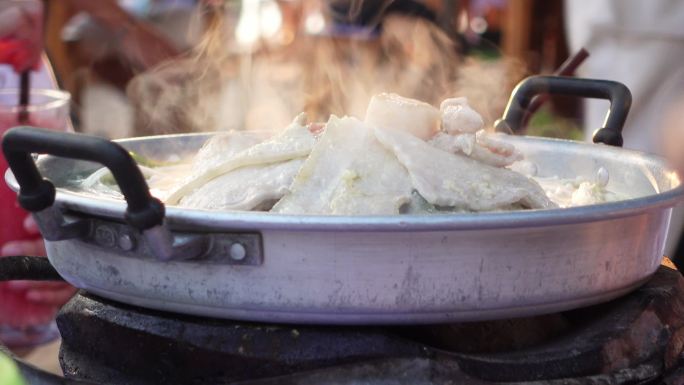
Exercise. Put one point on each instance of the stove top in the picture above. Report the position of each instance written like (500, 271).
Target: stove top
(637, 339)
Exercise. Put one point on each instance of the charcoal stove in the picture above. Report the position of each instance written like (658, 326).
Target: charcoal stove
(636, 339)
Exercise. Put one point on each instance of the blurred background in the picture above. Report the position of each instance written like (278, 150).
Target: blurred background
(141, 67)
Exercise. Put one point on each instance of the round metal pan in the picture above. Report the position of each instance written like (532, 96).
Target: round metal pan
(342, 269)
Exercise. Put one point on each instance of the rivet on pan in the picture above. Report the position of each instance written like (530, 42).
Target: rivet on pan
(105, 236)
(126, 242)
(237, 251)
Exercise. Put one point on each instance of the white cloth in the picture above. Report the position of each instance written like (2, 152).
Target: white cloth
(641, 44)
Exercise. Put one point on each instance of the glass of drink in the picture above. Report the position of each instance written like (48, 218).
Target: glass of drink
(23, 323)
(21, 33)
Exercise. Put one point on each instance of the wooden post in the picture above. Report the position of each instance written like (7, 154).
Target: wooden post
(516, 29)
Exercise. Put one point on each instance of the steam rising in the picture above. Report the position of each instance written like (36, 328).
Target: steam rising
(224, 85)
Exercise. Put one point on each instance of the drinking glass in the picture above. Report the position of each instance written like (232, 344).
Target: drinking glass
(23, 323)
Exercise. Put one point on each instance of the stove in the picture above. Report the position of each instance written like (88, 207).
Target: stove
(636, 339)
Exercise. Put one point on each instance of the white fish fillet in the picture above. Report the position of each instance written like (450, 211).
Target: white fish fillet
(348, 173)
(294, 142)
(246, 188)
(453, 180)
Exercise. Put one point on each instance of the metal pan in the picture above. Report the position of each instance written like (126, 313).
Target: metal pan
(352, 270)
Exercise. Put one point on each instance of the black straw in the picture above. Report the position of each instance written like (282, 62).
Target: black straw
(24, 96)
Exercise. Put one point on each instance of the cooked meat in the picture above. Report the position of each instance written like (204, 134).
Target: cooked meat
(394, 112)
(462, 133)
(453, 180)
(245, 188)
(296, 141)
(394, 162)
(223, 146)
(348, 173)
(482, 146)
(459, 118)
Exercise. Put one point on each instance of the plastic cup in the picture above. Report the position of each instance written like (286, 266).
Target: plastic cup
(23, 323)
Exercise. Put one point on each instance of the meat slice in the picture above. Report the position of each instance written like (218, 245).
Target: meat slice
(348, 173)
(462, 133)
(394, 112)
(246, 188)
(296, 141)
(481, 146)
(223, 146)
(459, 118)
(453, 180)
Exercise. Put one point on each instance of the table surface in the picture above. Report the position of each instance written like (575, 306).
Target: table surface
(45, 357)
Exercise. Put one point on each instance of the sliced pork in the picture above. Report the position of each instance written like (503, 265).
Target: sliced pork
(454, 180)
(296, 141)
(246, 188)
(348, 173)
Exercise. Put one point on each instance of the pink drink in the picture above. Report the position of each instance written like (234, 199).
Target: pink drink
(22, 41)
(22, 322)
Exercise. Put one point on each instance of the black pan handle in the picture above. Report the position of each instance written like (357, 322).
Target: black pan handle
(37, 194)
(617, 93)
(27, 268)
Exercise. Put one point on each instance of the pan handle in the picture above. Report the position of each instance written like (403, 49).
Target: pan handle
(37, 195)
(617, 93)
(27, 268)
